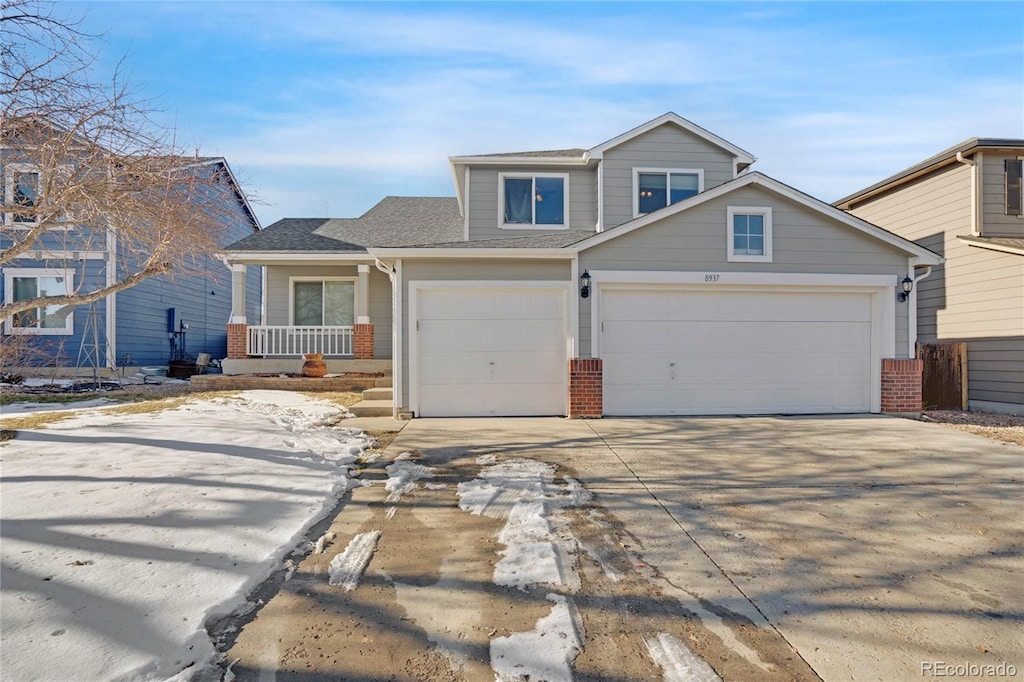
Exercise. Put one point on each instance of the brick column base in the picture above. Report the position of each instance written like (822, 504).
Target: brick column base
(362, 341)
(586, 388)
(901, 386)
(237, 341)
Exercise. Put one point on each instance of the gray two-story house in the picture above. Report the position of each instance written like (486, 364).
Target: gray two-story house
(651, 274)
(966, 204)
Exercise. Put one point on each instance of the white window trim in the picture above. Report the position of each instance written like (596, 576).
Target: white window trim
(69, 321)
(291, 294)
(766, 213)
(533, 226)
(11, 170)
(699, 172)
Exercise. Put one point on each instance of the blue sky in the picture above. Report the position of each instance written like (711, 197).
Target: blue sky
(324, 108)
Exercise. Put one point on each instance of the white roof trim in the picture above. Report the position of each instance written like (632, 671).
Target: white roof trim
(234, 183)
(741, 155)
(985, 244)
(562, 253)
(925, 256)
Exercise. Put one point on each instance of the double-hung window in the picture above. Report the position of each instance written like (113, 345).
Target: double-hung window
(533, 201)
(24, 284)
(21, 194)
(655, 188)
(749, 233)
(323, 302)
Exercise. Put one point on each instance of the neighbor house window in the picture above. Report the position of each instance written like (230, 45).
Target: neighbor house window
(1014, 192)
(21, 192)
(27, 284)
(323, 302)
(655, 188)
(533, 201)
(749, 233)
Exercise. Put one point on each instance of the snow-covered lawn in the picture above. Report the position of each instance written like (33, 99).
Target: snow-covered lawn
(124, 534)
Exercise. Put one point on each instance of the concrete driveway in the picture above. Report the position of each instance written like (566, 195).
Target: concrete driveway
(877, 548)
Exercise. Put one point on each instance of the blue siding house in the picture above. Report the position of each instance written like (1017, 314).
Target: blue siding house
(173, 314)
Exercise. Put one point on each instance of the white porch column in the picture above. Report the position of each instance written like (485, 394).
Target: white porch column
(363, 295)
(237, 294)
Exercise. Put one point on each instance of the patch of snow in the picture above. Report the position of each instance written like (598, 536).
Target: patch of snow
(318, 548)
(544, 653)
(402, 476)
(18, 409)
(677, 661)
(435, 486)
(347, 567)
(539, 547)
(181, 512)
(485, 460)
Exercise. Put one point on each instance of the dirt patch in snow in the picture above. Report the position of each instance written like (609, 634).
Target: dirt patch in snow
(1002, 427)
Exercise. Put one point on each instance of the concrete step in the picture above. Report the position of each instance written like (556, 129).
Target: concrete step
(372, 408)
(378, 394)
(384, 382)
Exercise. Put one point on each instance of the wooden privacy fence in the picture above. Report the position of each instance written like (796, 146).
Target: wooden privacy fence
(944, 384)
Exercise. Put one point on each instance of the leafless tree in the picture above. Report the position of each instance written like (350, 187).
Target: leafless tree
(87, 170)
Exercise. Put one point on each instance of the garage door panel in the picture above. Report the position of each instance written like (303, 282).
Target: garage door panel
(486, 351)
(735, 352)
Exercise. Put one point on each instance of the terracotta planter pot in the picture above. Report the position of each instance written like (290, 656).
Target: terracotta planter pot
(314, 365)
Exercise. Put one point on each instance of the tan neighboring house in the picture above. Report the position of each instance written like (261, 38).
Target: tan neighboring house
(965, 203)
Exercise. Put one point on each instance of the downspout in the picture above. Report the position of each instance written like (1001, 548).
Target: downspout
(975, 222)
(912, 312)
(111, 322)
(396, 337)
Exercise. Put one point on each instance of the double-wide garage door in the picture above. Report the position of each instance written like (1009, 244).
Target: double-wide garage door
(679, 351)
(498, 351)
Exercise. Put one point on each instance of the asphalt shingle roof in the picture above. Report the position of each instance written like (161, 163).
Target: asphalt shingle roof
(556, 240)
(553, 153)
(395, 221)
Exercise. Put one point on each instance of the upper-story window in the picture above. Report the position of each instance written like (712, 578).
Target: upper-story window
(655, 188)
(749, 233)
(533, 201)
(21, 192)
(23, 284)
(1014, 188)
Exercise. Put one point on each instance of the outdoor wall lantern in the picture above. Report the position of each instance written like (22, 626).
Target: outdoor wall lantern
(585, 285)
(908, 285)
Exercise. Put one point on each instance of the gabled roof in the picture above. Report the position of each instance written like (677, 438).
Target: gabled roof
(394, 221)
(236, 188)
(924, 256)
(563, 158)
(943, 158)
(743, 158)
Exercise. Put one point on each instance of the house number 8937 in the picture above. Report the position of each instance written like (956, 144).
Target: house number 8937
(711, 278)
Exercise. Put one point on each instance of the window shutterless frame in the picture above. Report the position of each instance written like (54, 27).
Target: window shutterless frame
(521, 198)
(754, 237)
(19, 323)
(1013, 169)
(667, 173)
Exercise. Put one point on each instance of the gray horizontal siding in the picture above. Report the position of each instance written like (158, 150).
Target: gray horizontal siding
(666, 146)
(695, 241)
(996, 222)
(483, 201)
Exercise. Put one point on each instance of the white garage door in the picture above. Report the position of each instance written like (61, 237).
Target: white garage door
(735, 352)
(491, 352)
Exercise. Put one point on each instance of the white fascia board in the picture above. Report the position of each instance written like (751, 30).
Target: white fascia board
(714, 279)
(511, 161)
(458, 185)
(69, 255)
(925, 256)
(259, 258)
(556, 254)
(741, 155)
(234, 184)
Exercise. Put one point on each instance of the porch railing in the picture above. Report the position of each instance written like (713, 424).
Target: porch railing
(296, 341)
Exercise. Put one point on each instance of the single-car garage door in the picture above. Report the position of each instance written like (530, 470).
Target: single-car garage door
(490, 351)
(679, 351)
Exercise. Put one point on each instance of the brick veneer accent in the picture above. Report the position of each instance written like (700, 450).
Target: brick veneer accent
(586, 387)
(362, 341)
(901, 386)
(237, 341)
